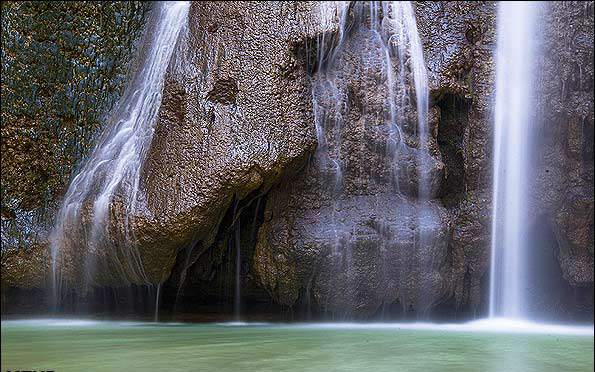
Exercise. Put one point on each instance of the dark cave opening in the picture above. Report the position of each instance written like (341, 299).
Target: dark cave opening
(454, 117)
(207, 292)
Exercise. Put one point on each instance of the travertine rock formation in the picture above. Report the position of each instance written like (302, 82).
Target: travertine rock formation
(233, 164)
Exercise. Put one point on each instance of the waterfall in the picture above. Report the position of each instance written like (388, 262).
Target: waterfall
(113, 168)
(157, 298)
(395, 48)
(238, 273)
(512, 131)
(408, 40)
(406, 33)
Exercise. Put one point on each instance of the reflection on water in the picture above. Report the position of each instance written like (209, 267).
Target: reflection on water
(89, 345)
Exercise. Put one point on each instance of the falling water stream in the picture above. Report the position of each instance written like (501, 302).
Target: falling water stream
(395, 24)
(512, 132)
(392, 29)
(114, 166)
(157, 298)
(238, 274)
(407, 35)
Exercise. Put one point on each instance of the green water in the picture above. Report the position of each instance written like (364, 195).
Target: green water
(199, 347)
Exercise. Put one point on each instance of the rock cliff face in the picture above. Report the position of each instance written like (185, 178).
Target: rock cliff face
(563, 156)
(63, 66)
(235, 117)
(365, 249)
(234, 164)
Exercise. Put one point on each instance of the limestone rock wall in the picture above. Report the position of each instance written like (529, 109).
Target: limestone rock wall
(63, 66)
(233, 165)
(357, 253)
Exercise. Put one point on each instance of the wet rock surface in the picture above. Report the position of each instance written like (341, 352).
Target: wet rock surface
(234, 165)
(374, 243)
(562, 179)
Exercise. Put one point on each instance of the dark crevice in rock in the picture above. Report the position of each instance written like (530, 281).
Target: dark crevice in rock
(451, 130)
(315, 57)
(209, 279)
(225, 91)
(23, 301)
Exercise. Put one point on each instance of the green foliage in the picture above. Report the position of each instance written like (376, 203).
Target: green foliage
(63, 66)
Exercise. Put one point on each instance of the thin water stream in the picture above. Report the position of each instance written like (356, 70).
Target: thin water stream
(113, 168)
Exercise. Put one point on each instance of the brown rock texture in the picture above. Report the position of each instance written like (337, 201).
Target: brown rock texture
(233, 165)
(356, 253)
(562, 180)
(236, 116)
(564, 154)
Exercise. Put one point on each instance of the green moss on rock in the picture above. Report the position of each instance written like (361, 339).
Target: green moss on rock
(63, 66)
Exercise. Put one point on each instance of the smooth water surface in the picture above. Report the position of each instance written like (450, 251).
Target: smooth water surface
(89, 345)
